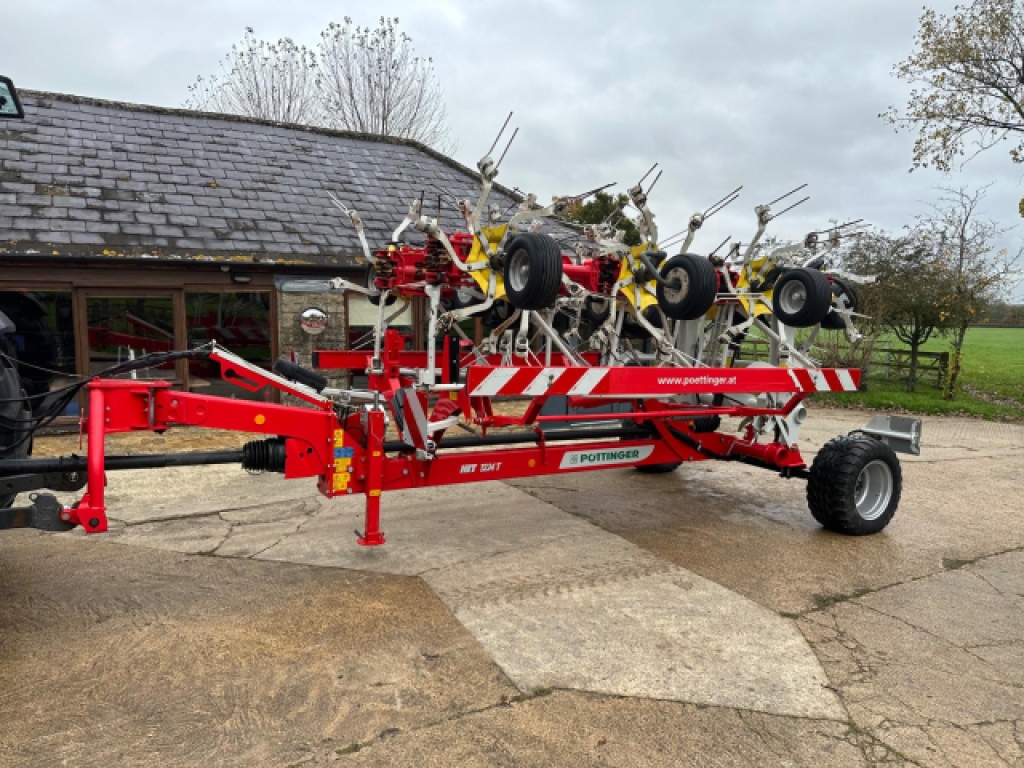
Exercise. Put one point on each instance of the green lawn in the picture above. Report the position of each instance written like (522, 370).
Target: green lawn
(991, 382)
(993, 361)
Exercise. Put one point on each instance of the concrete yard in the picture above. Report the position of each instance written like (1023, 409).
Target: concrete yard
(597, 619)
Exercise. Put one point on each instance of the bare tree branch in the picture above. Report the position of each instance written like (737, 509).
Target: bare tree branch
(372, 81)
(269, 81)
(360, 79)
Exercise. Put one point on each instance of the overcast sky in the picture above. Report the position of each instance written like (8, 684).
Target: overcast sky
(767, 94)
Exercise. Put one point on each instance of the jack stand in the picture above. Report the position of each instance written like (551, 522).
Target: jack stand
(373, 536)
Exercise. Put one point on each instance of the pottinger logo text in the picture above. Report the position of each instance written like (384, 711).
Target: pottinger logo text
(577, 459)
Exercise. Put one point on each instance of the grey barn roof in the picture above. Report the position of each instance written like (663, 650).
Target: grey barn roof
(87, 177)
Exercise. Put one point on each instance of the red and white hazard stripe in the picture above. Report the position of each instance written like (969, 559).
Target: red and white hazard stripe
(533, 381)
(540, 381)
(824, 379)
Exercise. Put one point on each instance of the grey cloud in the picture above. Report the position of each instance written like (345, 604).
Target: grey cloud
(765, 94)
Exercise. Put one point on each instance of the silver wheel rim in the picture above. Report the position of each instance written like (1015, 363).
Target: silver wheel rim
(676, 295)
(792, 297)
(873, 490)
(519, 270)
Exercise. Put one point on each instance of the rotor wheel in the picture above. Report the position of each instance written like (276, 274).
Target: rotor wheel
(802, 297)
(854, 485)
(834, 321)
(597, 309)
(499, 312)
(532, 271)
(697, 282)
(371, 276)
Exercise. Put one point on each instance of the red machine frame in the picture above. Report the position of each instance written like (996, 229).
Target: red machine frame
(344, 447)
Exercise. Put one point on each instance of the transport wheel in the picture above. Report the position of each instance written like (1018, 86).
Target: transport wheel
(654, 469)
(802, 297)
(15, 442)
(698, 287)
(706, 424)
(854, 485)
(533, 271)
(371, 275)
(832, 321)
(659, 469)
(596, 310)
(631, 328)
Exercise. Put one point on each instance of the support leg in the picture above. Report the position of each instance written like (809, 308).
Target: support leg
(373, 536)
(91, 512)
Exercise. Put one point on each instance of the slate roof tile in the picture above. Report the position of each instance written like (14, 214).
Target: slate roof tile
(174, 183)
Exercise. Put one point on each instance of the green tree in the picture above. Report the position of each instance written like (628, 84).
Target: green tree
(910, 284)
(976, 272)
(967, 73)
(603, 207)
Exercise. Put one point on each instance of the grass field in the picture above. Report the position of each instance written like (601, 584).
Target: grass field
(991, 383)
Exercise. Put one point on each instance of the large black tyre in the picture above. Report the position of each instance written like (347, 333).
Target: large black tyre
(854, 485)
(499, 312)
(15, 441)
(802, 298)
(371, 275)
(533, 271)
(832, 321)
(659, 469)
(632, 329)
(698, 287)
(705, 424)
(596, 309)
(654, 469)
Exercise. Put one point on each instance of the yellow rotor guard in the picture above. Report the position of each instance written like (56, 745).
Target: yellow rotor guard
(642, 295)
(756, 306)
(477, 257)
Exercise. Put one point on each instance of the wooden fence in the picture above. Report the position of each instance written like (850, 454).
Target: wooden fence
(886, 360)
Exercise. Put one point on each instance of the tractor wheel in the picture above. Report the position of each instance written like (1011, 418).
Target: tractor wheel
(854, 485)
(15, 441)
(802, 298)
(533, 271)
(832, 321)
(371, 275)
(596, 309)
(698, 287)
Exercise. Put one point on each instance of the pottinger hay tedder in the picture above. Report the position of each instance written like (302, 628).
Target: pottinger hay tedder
(663, 350)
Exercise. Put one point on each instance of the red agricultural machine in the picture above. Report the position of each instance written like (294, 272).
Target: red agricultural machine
(640, 348)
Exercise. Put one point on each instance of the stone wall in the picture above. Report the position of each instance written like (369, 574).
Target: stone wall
(290, 306)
